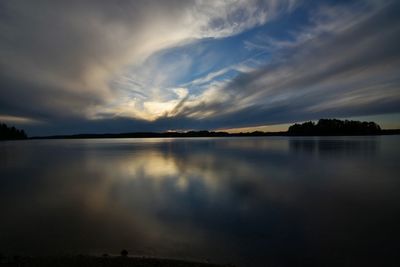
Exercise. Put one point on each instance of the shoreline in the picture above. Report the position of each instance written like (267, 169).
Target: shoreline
(101, 261)
(203, 134)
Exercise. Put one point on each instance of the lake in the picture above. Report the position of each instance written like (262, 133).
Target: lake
(262, 201)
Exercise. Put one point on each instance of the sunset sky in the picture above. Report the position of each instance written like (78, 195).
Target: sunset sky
(118, 66)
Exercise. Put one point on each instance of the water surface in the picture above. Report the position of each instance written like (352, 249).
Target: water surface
(248, 201)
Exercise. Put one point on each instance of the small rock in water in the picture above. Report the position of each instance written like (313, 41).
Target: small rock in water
(124, 253)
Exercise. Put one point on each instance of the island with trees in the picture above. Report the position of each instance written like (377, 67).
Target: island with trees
(335, 127)
(11, 133)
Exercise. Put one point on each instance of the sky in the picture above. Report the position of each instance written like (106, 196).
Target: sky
(157, 65)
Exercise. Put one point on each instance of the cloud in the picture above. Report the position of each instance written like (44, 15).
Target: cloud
(332, 67)
(63, 56)
(17, 120)
(103, 65)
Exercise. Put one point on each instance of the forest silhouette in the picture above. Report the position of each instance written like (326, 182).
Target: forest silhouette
(11, 133)
(335, 127)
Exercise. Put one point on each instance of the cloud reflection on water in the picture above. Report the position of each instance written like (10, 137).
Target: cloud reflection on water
(245, 201)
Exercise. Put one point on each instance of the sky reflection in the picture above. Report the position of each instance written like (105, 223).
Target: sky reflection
(244, 201)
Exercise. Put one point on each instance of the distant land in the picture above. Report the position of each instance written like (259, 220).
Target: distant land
(324, 127)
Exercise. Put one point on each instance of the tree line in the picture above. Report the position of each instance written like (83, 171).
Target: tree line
(322, 127)
(11, 133)
(335, 127)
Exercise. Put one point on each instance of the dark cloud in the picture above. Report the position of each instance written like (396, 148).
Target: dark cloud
(60, 55)
(58, 58)
(351, 70)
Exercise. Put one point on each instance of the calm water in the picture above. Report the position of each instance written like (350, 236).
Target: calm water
(247, 201)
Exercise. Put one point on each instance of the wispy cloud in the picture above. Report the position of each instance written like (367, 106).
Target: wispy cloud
(150, 64)
(62, 56)
(347, 66)
(17, 120)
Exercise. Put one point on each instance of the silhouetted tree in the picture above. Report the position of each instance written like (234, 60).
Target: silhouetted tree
(335, 127)
(7, 133)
